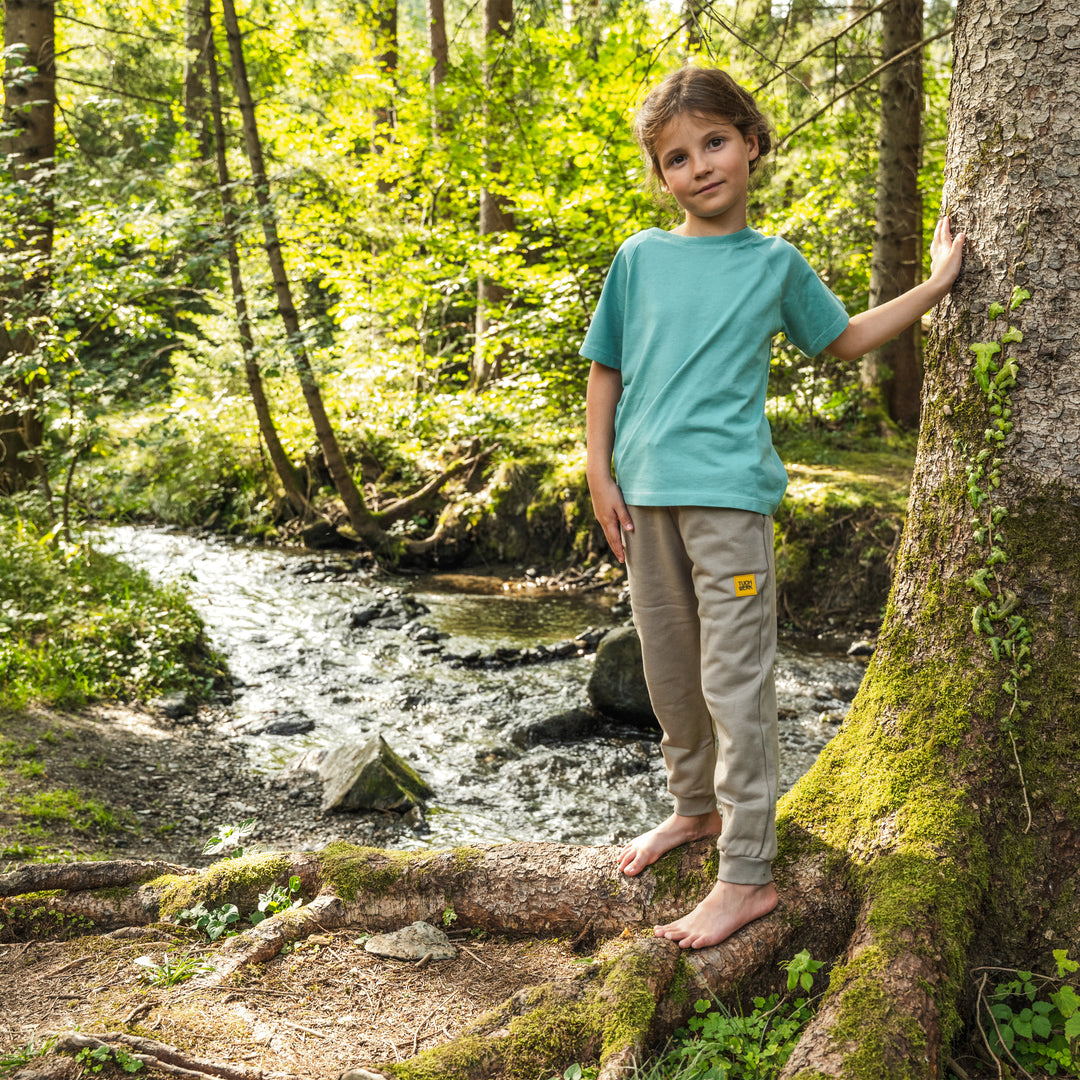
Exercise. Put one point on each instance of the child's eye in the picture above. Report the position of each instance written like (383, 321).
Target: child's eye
(717, 142)
(677, 159)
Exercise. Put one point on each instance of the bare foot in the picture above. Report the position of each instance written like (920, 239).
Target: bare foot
(645, 849)
(729, 907)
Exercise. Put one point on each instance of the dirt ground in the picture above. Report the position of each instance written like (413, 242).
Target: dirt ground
(133, 779)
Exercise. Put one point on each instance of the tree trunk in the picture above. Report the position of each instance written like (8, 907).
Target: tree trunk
(280, 459)
(438, 47)
(360, 517)
(29, 146)
(895, 370)
(197, 43)
(949, 796)
(495, 218)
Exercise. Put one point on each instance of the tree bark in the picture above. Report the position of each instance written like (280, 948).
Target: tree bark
(28, 144)
(895, 370)
(280, 459)
(197, 43)
(951, 799)
(438, 47)
(495, 217)
(359, 516)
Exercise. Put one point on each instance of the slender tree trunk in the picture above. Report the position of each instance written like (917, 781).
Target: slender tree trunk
(360, 518)
(28, 146)
(438, 47)
(197, 40)
(282, 465)
(495, 218)
(895, 370)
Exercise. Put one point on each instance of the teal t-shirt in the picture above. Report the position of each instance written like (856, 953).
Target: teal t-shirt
(689, 321)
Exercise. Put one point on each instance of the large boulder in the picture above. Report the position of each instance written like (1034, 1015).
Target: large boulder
(367, 776)
(617, 684)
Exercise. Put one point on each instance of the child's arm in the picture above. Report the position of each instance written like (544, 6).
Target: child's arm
(872, 328)
(605, 389)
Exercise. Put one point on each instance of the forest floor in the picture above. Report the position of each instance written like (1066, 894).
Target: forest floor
(119, 779)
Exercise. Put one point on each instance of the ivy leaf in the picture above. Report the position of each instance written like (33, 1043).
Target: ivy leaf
(1011, 335)
(977, 581)
(1018, 297)
(995, 310)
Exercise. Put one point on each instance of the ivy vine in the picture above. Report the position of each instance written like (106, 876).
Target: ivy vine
(995, 617)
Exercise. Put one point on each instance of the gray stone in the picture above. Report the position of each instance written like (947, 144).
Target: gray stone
(173, 706)
(369, 776)
(562, 727)
(412, 943)
(617, 684)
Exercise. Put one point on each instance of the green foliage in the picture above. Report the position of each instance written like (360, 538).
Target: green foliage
(995, 617)
(83, 814)
(213, 922)
(170, 972)
(135, 360)
(230, 837)
(276, 899)
(96, 1058)
(15, 1060)
(1033, 1021)
(77, 625)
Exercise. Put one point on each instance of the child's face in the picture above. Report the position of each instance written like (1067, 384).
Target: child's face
(705, 164)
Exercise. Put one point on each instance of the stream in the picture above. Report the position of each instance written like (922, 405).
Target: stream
(305, 678)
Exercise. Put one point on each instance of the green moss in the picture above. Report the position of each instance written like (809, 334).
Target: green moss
(869, 1024)
(351, 870)
(690, 885)
(230, 881)
(612, 1011)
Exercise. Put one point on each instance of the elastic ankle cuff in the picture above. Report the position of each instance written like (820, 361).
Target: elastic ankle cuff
(743, 871)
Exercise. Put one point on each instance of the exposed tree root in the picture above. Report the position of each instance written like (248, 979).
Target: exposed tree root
(164, 1058)
(82, 876)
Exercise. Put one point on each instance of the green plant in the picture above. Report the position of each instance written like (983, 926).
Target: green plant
(97, 1058)
(449, 916)
(213, 922)
(719, 1044)
(171, 972)
(16, 1059)
(277, 899)
(228, 837)
(1033, 1020)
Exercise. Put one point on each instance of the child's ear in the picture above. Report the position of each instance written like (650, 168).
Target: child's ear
(751, 146)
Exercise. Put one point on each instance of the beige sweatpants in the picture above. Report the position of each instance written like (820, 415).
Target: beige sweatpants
(702, 587)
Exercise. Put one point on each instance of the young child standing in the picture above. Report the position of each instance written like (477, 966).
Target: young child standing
(680, 347)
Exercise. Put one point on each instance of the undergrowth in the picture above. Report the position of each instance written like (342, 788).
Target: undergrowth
(77, 625)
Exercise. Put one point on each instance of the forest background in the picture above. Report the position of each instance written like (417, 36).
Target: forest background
(446, 206)
(319, 271)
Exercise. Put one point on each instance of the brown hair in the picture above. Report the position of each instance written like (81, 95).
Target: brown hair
(708, 93)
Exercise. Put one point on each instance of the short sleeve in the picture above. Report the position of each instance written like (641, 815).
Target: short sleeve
(812, 315)
(604, 338)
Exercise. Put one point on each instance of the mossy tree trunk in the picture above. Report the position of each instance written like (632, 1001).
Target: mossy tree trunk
(949, 802)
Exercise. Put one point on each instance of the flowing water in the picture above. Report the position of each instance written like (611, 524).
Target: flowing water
(283, 620)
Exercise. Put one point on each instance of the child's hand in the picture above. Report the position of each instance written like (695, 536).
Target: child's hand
(946, 252)
(613, 516)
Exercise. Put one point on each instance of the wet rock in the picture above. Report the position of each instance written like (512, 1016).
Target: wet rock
(861, 648)
(288, 725)
(323, 535)
(562, 727)
(617, 685)
(173, 706)
(412, 943)
(365, 776)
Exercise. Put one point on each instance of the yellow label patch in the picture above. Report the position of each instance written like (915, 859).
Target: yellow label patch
(745, 585)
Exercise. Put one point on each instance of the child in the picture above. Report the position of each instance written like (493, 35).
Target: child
(680, 346)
